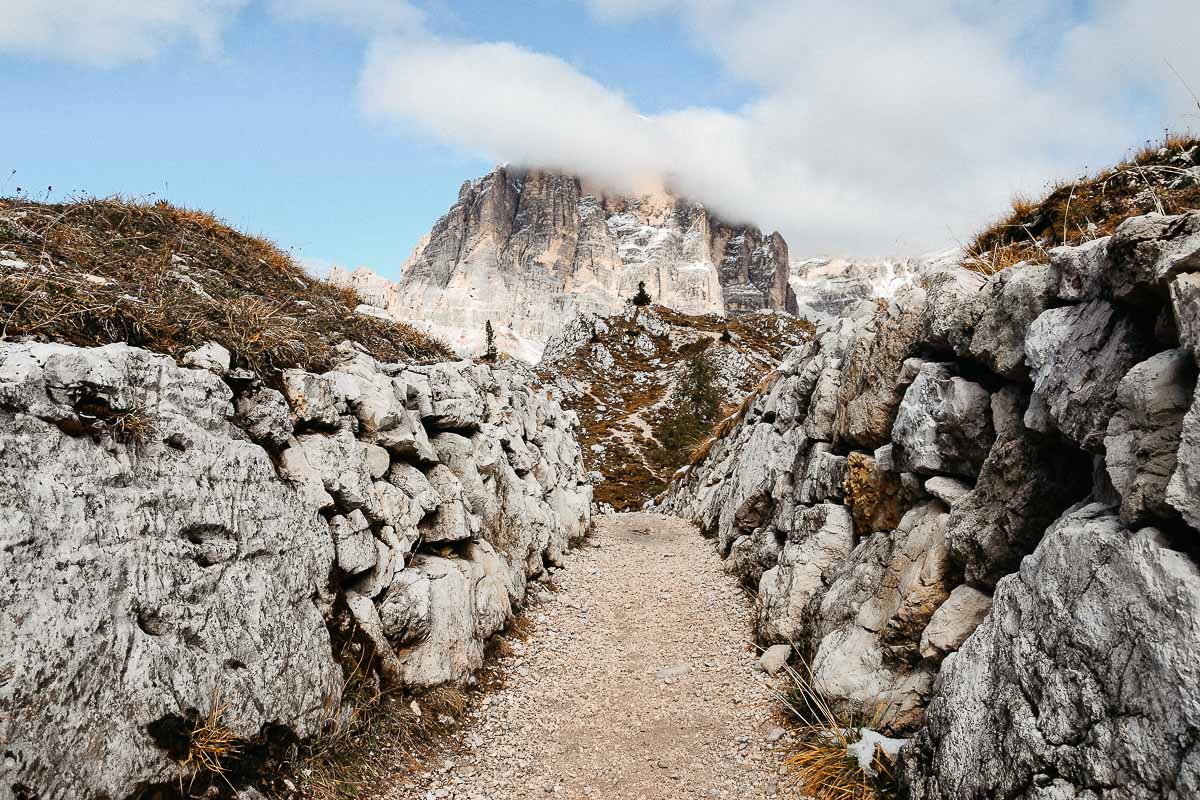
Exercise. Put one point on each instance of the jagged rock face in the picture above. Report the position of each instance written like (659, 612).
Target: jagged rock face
(530, 249)
(1081, 682)
(177, 539)
(831, 287)
(1036, 646)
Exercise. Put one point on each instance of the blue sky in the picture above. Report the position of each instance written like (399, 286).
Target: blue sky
(342, 129)
(271, 136)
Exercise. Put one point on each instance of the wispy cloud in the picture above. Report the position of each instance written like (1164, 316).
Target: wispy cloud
(875, 127)
(112, 32)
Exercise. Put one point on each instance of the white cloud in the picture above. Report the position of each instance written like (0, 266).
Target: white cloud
(876, 127)
(112, 32)
(373, 17)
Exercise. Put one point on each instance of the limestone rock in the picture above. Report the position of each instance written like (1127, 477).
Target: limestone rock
(1012, 299)
(955, 620)
(211, 356)
(265, 416)
(1143, 436)
(1185, 299)
(1148, 252)
(866, 627)
(775, 658)
(1082, 271)
(1025, 483)
(141, 580)
(1064, 687)
(944, 424)
(1183, 490)
(314, 399)
(1078, 356)
(948, 490)
(355, 545)
(818, 538)
(340, 461)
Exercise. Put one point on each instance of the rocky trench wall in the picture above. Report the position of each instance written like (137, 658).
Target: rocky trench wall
(175, 537)
(979, 509)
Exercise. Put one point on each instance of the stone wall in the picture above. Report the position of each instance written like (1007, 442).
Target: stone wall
(979, 508)
(179, 538)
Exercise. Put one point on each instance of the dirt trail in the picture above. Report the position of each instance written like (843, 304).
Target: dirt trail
(637, 683)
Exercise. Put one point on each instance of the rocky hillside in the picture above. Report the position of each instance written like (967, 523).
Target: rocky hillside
(976, 512)
(621, 374)
(831, 287)
(210, 560)
(529, 250)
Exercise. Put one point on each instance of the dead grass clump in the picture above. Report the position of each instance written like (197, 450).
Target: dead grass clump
(211, 748)
(130, 426)
(1161, 178)
(821, 759)
(94, 272)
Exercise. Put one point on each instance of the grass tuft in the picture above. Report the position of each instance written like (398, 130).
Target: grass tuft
(211, 746)
(819, 762)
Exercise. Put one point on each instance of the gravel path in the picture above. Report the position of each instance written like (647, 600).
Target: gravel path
(636, 683)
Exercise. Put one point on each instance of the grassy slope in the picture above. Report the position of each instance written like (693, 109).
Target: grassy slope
(169, 279)
(1163, 178)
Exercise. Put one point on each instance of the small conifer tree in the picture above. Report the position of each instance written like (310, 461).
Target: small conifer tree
(489, 335)
(642, 298)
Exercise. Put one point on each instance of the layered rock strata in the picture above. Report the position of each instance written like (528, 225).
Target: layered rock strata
(182, 542)
(528, 250)
(976, 509)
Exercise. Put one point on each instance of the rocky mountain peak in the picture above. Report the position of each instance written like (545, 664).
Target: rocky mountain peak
(529, 249)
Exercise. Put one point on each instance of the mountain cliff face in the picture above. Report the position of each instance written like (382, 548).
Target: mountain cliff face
(530, 249)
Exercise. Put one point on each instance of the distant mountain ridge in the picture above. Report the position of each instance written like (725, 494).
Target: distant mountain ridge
(528, 250)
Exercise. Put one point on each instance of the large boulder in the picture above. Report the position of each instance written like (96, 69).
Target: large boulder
(817, 539)
(1012, 300)
(1078, 356)
(1027, 480)
(865, 630)
(944, 424)
(154, 563)
(1081, 682)
(1148, 252)
(1143, 436)
(1183, 490)
(1185, 300)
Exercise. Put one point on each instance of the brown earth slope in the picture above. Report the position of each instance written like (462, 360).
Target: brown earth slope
(618, 374)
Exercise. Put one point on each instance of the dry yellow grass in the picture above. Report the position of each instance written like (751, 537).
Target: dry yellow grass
(211, 747)
(99, 271)
(1154, 179)
(818, 761)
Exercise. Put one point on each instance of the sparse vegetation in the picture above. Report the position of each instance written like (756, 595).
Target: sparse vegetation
(99, 271)
(692, 409)
(210, 748)
(625, 407)
(1164, 177)
(819, 760)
